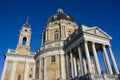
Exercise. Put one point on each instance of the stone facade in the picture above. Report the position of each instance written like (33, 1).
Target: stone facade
(67, 52)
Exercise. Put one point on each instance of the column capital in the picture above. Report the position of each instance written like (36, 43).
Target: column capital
(109, 46)
(93, 42)
(6, 60)
(39, 59)
(85, 41)
(45, 57)
(70, 50)
(78, 45)
(15, 61)
(103, 45)
(66, 53)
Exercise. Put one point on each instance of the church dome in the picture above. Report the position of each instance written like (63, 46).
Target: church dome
(60, 15)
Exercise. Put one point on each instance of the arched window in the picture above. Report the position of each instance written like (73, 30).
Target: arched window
(56, 35)
(19, 77)
(69, 33)
(24, 40)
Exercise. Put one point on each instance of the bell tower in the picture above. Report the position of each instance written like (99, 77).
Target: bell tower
(23, 47)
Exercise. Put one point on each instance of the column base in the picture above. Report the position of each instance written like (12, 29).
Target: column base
(60, 79)
(99, 77)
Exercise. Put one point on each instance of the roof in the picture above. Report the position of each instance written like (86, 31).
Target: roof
(60, 15)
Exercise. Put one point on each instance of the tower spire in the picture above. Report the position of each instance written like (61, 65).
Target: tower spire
(27, 19)
(27, 23)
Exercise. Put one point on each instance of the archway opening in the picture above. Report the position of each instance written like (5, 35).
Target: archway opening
(24, 41)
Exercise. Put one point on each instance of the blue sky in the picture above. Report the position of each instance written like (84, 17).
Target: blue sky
(102, 13)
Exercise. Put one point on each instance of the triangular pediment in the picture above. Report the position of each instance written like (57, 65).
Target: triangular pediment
(98, 32)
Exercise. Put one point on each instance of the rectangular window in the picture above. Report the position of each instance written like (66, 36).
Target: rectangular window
(56, 35)
(53, 59)
(19, 77)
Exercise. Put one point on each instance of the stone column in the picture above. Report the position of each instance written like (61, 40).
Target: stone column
(45, 68)
(107, 60)
(96, 58)
(62, 66)
(113, 60)
(72, 68)
(84, 65)
(4, 69)
(67, 67)
(13, 70)
(26, 71)
(80, 60)
(75, 67)
(88, 57)
(39, 68)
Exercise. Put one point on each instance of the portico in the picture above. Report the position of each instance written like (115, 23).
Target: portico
(81, 52)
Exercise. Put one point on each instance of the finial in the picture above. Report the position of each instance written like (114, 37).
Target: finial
(27, 20)
(60, 10)
(26, 23)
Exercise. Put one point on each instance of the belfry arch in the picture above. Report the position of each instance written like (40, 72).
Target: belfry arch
(24, 40)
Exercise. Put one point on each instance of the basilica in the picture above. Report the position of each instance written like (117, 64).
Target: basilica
(67, 52)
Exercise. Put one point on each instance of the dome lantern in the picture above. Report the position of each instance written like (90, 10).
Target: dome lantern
(60, 10)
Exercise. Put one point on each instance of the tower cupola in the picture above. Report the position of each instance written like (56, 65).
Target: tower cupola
(24, 39)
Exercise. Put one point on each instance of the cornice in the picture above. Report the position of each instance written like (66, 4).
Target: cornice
(18, 55)
(47, 50)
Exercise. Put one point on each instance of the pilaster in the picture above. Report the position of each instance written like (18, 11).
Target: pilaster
(4, 69)
(44, 68)
(26, 71)
(13, 70)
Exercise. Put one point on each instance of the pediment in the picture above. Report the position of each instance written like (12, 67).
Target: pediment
(97, 32)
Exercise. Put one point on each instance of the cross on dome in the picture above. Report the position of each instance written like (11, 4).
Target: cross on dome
(60, 10)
